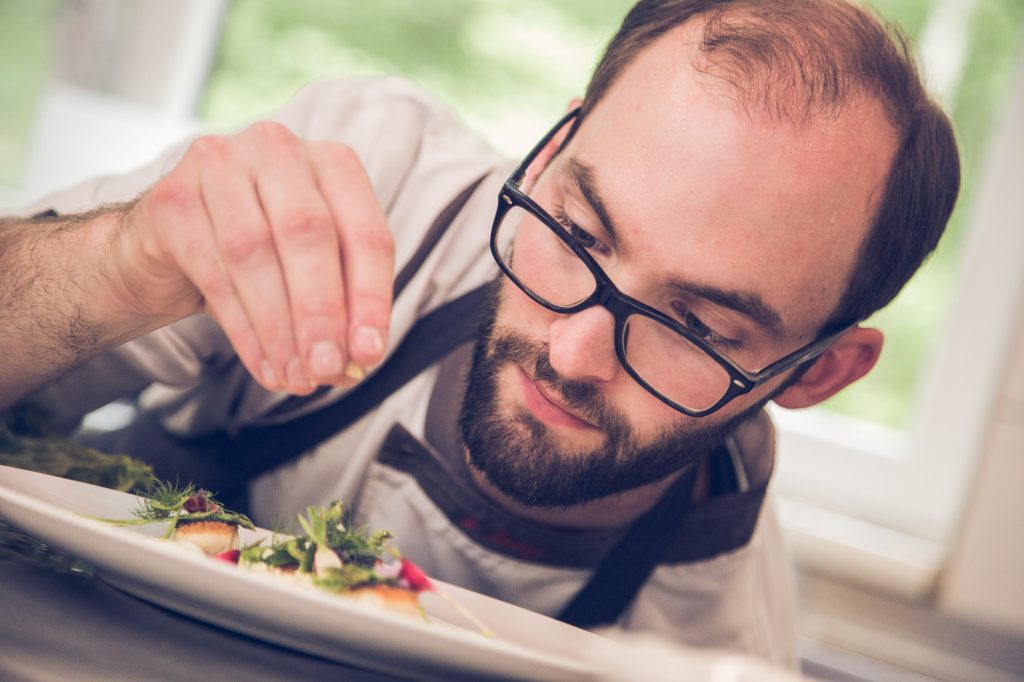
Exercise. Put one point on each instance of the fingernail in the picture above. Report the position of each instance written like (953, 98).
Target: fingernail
(325, 359)
(368, 341)
(268, 374)
(354, 371)
(296, 377)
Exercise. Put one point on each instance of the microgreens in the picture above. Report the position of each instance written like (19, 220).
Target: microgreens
(339, 556)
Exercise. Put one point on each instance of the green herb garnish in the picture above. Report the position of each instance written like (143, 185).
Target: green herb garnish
(349, 576)
(178, 504)
(325, 527)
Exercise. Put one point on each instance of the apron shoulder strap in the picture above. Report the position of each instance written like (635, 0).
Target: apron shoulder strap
(622, 573)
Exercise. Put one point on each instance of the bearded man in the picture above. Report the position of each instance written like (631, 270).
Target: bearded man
(557, 402)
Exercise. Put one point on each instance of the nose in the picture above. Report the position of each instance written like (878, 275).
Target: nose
(582, 345)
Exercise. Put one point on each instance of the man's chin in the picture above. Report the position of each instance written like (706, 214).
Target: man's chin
(533, 465)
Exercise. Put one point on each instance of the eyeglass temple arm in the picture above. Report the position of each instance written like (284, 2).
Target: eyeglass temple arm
(798, 357)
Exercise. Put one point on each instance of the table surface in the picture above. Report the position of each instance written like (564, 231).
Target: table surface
(63, 624)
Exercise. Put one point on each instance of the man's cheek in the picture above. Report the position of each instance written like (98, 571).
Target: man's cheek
(518, 312)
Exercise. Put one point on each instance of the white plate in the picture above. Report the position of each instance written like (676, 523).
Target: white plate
(527, 645)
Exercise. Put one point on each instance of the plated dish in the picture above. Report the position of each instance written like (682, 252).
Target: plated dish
(526, 645)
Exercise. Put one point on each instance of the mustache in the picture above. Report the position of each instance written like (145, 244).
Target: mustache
(582, 396)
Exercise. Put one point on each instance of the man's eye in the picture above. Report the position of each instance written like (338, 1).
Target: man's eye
(582, 237)
(577, 233)
(701, 330)
(695, 325)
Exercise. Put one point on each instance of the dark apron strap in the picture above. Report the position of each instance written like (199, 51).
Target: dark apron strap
(619, 577)
(258, 449)
(434, 233)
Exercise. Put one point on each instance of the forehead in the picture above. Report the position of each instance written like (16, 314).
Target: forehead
(705, 190)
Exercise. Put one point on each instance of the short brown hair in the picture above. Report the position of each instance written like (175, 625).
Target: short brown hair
(805, 58)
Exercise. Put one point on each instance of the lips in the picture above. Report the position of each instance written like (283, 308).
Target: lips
(547, 408)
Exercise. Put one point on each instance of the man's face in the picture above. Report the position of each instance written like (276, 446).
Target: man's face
(743, 227)
(523, 448)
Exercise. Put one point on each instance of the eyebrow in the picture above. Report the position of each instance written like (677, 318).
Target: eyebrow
(747, 303)
(582, 176)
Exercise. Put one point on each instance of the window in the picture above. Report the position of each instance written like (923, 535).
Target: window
(469, 53)
(890, 494)
(98, 86)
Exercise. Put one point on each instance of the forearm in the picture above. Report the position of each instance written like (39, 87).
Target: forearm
(60, 300)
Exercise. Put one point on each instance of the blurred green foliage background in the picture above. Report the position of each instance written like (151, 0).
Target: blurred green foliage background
(510, 67)
(26, 42)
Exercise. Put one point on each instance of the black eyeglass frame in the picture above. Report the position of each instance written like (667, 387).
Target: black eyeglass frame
(622, 306)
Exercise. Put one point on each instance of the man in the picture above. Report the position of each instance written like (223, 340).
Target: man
(743, 183)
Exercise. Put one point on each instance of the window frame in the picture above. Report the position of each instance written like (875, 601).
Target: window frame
(914, 485)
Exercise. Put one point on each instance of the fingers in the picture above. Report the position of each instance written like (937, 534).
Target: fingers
(306, 246)
(291, 253)
(367, 250)
(254, 301)
(174, 204)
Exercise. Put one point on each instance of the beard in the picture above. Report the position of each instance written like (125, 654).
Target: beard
(521, 457)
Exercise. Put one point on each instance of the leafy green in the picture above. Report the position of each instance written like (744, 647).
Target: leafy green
(317, 521)
(349, 576)
(326, 526)
(358, 549)
(280, 553)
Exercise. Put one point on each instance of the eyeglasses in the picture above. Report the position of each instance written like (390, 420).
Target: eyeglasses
(551, 262)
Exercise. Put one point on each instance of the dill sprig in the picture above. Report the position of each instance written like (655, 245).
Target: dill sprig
(177, 504)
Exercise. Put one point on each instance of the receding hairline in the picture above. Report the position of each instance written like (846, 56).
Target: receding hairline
(791, 61)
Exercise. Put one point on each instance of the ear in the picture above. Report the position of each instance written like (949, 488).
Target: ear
(545, 155)
(847, 360)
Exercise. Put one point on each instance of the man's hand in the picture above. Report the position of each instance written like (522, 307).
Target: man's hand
(281, 240)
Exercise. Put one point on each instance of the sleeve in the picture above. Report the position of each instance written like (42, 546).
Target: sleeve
(417, 155)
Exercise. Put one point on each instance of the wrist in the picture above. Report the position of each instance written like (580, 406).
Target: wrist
(142, 292)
